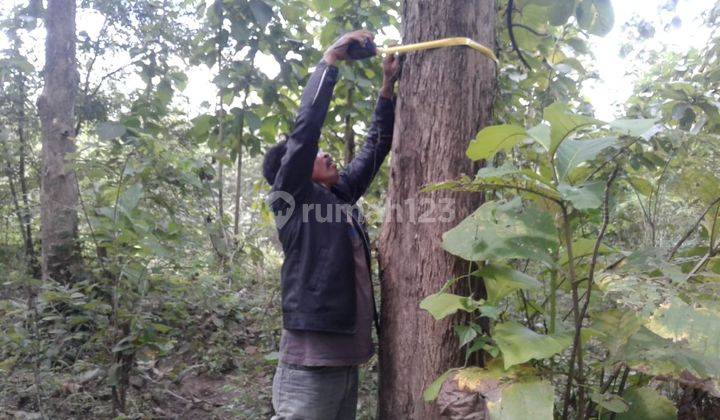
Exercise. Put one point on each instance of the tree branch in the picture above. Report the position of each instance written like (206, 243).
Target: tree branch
(692, 229)
(513, 42)
(593, 262)
(576, 311)
(529, 29)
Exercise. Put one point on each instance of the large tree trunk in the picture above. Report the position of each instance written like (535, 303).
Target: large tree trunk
(56, 107)
(445, 97)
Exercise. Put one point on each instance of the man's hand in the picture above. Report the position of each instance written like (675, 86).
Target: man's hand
(391, 71)
(339, 49)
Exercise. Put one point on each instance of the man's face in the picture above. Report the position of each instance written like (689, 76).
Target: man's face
(325, 170)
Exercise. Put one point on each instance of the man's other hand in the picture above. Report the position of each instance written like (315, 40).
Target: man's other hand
(339, 49)
(391, 71)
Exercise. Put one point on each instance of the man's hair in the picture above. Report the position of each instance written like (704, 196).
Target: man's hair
(272, 160)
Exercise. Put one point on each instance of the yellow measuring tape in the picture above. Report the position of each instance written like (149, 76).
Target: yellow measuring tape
(440, 43)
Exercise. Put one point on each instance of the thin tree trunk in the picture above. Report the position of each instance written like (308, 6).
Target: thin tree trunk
(241, 129)
(26, 213)
(238, 177)
(56, 107)
(445, 97)
(16, 204)
(221, 140)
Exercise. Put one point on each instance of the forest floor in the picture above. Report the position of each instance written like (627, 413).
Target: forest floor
(220, 366)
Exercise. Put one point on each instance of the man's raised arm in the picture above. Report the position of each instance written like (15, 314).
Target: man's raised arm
(355, 180)
(295, 173)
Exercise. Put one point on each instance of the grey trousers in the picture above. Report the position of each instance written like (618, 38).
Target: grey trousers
(322, 393)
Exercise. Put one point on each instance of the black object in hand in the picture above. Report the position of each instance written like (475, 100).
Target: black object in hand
(358, 51)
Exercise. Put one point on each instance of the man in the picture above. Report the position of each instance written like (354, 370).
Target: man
(327, 299)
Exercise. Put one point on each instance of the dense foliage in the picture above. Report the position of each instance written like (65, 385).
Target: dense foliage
(598, 252)
(598, 244)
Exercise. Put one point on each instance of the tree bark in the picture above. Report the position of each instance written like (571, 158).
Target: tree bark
(56, 107)
(445, 97)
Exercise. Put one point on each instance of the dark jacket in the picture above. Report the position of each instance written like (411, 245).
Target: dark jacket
(318, 274)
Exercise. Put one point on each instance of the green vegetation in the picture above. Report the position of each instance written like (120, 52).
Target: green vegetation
(592, 265)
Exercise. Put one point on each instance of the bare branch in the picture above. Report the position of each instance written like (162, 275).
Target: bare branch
(513, 42)
(529, 29)
(692, 229)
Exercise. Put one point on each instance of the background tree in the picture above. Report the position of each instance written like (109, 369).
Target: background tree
(56, 107)
(444, 97)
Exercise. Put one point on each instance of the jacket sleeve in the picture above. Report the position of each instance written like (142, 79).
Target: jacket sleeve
(358, 175)
(295, 173)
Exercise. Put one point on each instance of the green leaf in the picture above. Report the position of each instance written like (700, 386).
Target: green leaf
(519, 344)
(583, 247)
(262, 12)
(679, 321)
(647, 404)
(629, 342)
(502, 230)
(201, 126)
(563, 123)
(130, 198)
(532, 399)
(584, 13)
(604, 19)
(490, 172)
(642, 185)
(501, 281)
(541, 134)
(110, 130)
(493, 139)
(440, 305)
(560, 11)
(465, 334)
(573, 153)
(610, 402)
(633, 127)
(583, 197)
(433, 390)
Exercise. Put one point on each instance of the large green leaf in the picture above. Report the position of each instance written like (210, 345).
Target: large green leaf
(583, 197)
(490, 172)
(502, 230)
(130, 198)
(583, 247)
(541, 134)
(700, 327)
(633, 127)
(597, 16)
(629, 342)
(519, 344)
(500, 281)
(560, 11)
(605, 19)
(563, 123)
(493, 139)
(533, 399)
(573, 153)
(647, 404)
(440, 305)
(509, 394)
